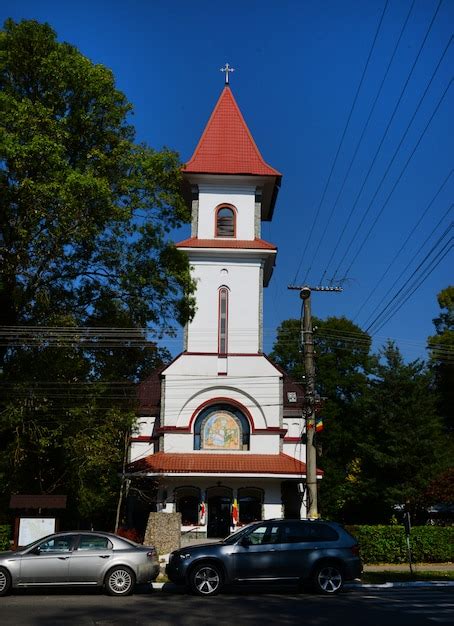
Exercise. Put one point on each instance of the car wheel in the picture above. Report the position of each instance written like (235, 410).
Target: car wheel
(120, 581)
(328, 578)
(5, 581)
(206, 579)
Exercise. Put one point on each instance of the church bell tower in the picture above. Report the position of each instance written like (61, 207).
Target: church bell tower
(231, 190)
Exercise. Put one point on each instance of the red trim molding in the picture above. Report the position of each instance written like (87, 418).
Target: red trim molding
(224, 401)
(217, 354)
(223, 292)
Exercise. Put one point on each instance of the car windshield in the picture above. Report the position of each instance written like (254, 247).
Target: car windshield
(234, 537)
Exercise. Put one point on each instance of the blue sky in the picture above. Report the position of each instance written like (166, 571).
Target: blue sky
(298, 65)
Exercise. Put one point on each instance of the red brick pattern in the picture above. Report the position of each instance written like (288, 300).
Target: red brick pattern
(227, 146)
(252, 244)
(168, 463)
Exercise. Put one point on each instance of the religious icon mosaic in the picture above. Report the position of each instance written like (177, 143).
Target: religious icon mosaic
(221, 431)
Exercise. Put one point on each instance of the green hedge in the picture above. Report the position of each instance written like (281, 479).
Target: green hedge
(387, 544)
(5, 535)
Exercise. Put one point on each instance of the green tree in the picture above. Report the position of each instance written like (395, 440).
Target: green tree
(343, 362)
(85, 211)
(403, 446)
(85, 220)
(441, 347)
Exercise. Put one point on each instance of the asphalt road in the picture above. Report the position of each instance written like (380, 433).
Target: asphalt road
(238, 607)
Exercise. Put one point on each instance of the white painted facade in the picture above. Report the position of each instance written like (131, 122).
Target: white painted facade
(241, 377)
(241, 197)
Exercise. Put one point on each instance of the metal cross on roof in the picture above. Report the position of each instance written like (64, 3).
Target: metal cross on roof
(227, 69)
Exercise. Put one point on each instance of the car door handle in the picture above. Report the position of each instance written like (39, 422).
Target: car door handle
(104, 556)
(63, 558)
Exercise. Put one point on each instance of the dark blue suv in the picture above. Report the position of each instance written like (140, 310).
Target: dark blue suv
(322, 553)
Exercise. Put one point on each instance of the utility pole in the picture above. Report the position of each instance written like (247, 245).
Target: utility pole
(307, 342)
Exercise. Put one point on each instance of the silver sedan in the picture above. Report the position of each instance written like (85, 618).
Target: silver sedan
(79, 558)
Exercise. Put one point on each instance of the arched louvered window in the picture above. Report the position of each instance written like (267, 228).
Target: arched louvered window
(223, 320)
(225, 222)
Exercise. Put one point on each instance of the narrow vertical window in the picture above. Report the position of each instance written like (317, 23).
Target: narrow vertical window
(223, 319)
(225, 222)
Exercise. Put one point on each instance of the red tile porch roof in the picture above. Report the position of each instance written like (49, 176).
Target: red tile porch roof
(222, 463)
(226, 145)
(252, 244)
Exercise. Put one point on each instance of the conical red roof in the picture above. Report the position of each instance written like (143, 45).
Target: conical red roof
(227, 146)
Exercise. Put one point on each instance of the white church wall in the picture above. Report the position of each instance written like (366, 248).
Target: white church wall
(179, 443)
(144, 426)
(192, 380)
(140, 450)
(264, 444)
(242, 278)
(241, 197)
(272, 506)
(295, 449)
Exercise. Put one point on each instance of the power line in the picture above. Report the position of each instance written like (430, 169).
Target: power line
(396, 256)
(417, 284)
(396, 182)
(341, 140)
(434, 247)
(366, 125)
(396, 106)
(405, 268)
(410, 262)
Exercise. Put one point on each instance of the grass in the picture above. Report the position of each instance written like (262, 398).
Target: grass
(393, 576)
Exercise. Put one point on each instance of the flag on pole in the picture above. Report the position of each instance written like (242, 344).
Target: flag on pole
(235, 512)
(319, 425)
(202, 514)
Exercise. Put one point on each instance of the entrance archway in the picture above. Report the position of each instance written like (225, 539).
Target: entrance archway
(291, 499)
(250, 501)
(219, 500)
(187, 501)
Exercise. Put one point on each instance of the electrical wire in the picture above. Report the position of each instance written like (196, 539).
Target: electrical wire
(412, 231)
(393, 114)
(379, 214)
(415, 272)
(341, 140)
(420, 282)
(409, 263)
(363, 132)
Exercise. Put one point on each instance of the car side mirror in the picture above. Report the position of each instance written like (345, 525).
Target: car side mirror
(245, 542)
(36, 550)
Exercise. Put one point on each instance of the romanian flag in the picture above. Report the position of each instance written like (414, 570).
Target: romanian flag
(235, 512)
(319, 425)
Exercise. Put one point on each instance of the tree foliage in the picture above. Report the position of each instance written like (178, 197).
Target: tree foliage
(85, 220)
(85, 211)
(383, 439)
(402, 447)
(343, 362)
(441, 347)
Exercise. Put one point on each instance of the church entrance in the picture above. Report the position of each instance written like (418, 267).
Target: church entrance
(291, 499)
(219, 500)
(219, 516)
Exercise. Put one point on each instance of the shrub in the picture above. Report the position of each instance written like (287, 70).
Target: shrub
(387, 544)
(5, 535)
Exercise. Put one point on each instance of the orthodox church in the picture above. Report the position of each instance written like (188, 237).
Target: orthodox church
(220, 427)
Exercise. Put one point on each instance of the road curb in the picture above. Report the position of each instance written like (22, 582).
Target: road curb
(400, 584)
(358, 585)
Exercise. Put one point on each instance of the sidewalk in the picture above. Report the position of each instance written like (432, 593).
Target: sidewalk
(404, 567)
(386, 567)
